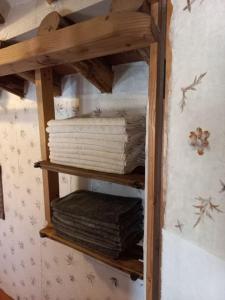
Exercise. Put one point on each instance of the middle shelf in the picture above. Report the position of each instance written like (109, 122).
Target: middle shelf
(136, 179)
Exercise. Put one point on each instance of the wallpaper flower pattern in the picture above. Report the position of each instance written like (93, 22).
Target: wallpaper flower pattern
(40, 269)
(195, 189)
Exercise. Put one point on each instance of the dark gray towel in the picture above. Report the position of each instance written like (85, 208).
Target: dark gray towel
(100, 235)
(101, 249)
(106, 223)
(97, 225)
(97, 206)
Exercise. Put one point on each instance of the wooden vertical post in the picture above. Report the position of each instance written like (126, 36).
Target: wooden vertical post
(154, 212)
(45, 103)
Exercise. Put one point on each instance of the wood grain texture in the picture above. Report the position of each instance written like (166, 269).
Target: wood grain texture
(100, 36)
(135, 179)
(155, 156)
(46, 112)
(4, 296)
(132, 266)
(124, 5)
(95, 71)
(13, 84)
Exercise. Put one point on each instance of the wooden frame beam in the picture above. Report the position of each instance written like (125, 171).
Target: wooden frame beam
(156, 115)
(100, 36)
(46, 112)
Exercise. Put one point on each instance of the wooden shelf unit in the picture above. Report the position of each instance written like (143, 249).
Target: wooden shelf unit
(129, 265)
(114, 34)
(135, 179)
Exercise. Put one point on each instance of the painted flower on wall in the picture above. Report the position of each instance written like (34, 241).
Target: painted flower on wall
(199, 140)
(205, 208)
(190, 87)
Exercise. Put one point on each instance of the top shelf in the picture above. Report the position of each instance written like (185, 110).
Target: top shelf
(98, 37)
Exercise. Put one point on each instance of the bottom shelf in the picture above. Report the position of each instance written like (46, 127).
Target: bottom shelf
(132, 266)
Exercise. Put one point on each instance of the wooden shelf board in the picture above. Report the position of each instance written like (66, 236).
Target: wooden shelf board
(98, 37)
(135, 179)
(134, 267)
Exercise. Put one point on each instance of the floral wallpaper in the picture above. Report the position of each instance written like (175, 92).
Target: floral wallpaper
(195, 208)
(41, 269)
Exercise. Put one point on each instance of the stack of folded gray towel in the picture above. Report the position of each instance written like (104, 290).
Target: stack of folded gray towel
(105, 223)
(107, 144)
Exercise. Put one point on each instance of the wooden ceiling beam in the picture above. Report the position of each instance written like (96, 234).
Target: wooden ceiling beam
(100, 36)
(95, 70)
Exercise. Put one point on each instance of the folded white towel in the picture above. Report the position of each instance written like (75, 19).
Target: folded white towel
(92, 153)
(82, 137)
(98, 167)
(95, 129)
(90, 120)
(100, 145)
(103, 158)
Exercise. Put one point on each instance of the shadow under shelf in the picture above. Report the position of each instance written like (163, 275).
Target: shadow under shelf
(136, 179)
(129, 263)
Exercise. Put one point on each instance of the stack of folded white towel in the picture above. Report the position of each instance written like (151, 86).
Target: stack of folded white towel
(107, 144)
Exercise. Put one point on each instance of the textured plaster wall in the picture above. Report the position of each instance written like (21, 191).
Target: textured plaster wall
(194, 239)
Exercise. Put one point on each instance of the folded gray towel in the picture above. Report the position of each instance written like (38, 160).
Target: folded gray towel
(121, 228)
(105, 208)
(99, 234)
(106, 223)
(99, 247)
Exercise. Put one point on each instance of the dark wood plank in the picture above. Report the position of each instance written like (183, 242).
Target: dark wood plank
(4, 296)
(135, 179)
(46, 112)
(134, 267)
(2, 19)
(100, 36)
(13, 84)
(154, 187)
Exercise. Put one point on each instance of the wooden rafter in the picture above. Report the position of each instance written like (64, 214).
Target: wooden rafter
(96, 70)
(100, 36)
(13, 84)
(46, 112)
